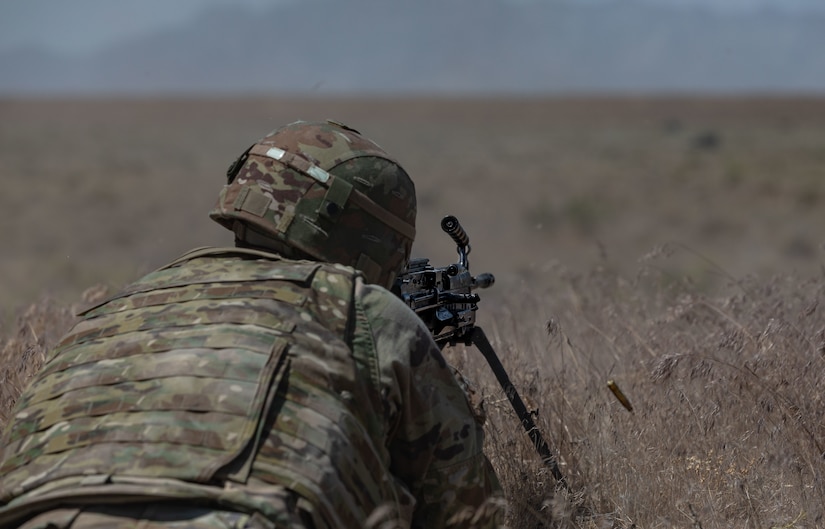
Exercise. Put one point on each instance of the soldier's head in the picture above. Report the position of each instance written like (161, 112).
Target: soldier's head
(322, 191)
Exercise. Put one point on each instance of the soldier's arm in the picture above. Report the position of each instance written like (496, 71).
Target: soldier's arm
(434, 439)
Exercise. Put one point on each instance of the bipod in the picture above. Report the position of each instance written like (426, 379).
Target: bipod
(479, 339)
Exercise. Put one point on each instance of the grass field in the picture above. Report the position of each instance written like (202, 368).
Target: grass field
(672, 245)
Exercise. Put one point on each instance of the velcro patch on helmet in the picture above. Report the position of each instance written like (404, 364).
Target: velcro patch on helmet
(253, 201)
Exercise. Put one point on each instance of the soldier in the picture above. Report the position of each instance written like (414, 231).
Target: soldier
(274, 384)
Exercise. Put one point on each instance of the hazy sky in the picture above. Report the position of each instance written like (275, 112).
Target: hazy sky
(78, 26)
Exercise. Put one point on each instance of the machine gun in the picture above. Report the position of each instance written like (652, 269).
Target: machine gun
(443, 298)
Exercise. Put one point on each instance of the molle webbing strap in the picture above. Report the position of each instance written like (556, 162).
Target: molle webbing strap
(215, 252)
(191, 254)
(304, 166)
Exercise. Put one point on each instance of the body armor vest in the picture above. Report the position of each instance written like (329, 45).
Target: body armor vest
(227, 366)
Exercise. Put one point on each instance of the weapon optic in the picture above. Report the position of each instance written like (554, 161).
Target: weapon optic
(443, 298)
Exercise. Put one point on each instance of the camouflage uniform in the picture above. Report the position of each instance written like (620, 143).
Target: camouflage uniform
(236, 388)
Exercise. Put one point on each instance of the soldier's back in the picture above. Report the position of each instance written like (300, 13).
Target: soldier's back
(223, 380)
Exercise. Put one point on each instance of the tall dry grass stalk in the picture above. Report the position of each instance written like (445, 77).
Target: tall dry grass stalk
(728, 423)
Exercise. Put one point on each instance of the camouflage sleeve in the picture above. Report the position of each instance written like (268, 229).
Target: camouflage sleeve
(434, 439)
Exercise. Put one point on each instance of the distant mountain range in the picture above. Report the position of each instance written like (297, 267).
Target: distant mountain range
(445, 46)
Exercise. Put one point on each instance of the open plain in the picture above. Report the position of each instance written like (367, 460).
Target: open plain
(674, 245)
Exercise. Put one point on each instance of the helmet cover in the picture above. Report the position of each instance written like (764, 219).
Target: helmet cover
(326, 192)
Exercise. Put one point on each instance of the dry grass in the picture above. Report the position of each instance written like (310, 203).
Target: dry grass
(23, 349)
(728, 426)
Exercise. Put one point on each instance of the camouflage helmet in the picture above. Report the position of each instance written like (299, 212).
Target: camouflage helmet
(322, 191)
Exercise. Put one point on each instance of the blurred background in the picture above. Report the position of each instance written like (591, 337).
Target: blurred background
(688, 135)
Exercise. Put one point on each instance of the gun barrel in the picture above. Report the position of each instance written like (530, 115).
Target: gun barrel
(452, 227)
(483, 280)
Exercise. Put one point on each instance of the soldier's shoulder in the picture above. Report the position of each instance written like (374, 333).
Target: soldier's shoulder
(379, 298)
(386, 310)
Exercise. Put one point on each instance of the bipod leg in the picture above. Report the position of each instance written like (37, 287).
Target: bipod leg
(480, 340)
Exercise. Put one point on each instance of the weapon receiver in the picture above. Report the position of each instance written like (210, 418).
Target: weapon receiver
(443, 298)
